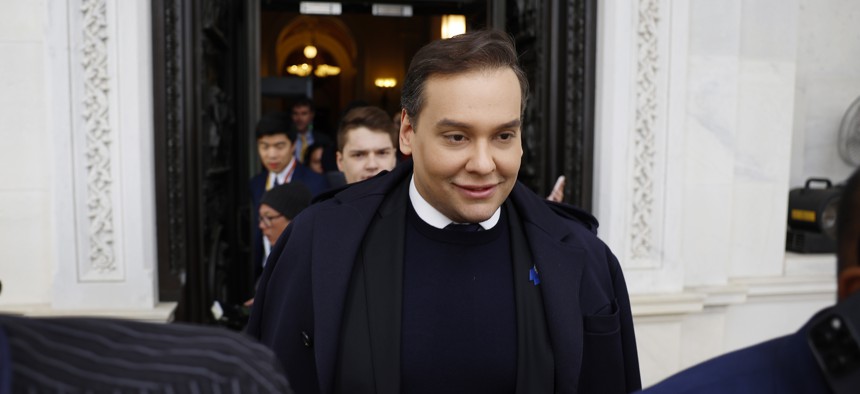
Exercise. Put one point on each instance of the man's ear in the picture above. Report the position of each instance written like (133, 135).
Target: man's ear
(339, 159)
(407, 130)
(849, 282)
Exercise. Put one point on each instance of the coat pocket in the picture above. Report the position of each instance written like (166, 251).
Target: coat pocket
(603, 358)
(604, 322)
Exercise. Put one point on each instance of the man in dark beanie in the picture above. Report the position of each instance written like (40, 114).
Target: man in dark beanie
(279, 206)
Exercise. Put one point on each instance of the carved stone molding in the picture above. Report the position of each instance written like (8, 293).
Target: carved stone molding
(646, 116)
(99, 137)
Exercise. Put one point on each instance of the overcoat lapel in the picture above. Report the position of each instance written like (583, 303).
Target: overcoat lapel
(383, 261)
(338, 234)
(553, 249)
(535, 365)
(330, 273)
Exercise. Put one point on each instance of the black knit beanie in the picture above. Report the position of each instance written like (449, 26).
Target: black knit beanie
(288, 199)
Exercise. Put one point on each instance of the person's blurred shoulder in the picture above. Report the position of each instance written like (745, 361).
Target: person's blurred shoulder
(104, 354)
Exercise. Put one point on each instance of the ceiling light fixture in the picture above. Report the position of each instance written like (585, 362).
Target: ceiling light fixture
(310, 51)
(391, 10)
(319, 8)
(453, 25)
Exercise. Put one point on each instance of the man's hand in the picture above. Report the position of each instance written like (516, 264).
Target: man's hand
(557, 194)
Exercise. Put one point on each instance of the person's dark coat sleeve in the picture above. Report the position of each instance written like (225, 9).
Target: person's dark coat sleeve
(628, 341)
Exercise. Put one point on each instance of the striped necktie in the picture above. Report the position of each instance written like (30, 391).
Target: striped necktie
(304, 148)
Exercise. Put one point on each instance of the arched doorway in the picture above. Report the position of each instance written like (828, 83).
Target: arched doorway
(330, 36)
(335, 47)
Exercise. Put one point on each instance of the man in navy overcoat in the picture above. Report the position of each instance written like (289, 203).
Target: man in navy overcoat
(447, 275)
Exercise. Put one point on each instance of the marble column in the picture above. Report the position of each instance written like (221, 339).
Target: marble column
(100, 79)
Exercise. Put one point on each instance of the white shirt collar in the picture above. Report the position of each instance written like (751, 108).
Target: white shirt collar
(281, 176)
(433, 217)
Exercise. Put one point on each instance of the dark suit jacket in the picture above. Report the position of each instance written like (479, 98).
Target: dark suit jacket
(783, 365)
(300, 302)
(315, 182)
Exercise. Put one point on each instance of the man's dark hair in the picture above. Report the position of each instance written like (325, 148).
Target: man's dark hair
(303, 102)
(482, 50)
(372, 118)
(276, 123)
(848, 222)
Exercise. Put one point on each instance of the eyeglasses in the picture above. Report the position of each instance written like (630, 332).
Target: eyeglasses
(267, 220)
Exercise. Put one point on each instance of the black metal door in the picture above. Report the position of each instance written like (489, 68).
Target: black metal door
(200, 57)
(556, 40)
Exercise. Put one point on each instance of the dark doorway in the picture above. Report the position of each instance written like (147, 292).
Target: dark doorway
(556, 40)
(365, 47)
(210, 57)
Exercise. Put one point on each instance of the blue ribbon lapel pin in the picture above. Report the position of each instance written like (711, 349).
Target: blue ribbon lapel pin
(533, 275)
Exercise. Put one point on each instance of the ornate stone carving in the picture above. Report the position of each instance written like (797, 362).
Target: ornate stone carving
(98, 136)
(641, 232)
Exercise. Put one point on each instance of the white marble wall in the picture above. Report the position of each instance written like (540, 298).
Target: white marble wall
(640, 134)
(766, 88)
(77, 201)
(25, 155)
(742, 89)
(710, 132)
(828, 48)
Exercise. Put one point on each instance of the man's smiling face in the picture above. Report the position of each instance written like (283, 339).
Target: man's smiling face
(466, 142)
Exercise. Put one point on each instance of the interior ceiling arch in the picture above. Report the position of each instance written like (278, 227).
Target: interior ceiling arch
(326, 33)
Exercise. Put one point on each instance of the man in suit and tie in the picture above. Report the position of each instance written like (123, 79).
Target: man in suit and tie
(303, 114)
(787, 364)
(447, 275)
(276, 138)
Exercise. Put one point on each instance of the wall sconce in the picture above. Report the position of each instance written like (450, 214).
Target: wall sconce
(453, 25)
(385, 83)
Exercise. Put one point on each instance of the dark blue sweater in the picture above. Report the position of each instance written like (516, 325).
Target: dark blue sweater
(459, 319)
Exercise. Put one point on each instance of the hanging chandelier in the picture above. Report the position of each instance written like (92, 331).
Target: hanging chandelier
(313, 65)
